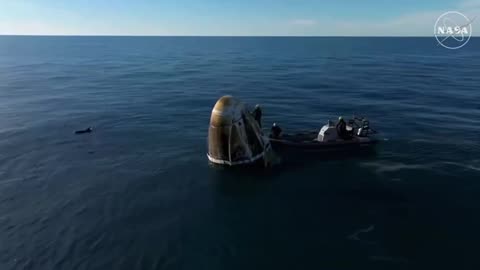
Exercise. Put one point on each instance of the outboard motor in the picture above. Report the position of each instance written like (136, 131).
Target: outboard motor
(364, 128)
(234, 137)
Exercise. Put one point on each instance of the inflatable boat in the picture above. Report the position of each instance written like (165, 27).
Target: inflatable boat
(358, 136)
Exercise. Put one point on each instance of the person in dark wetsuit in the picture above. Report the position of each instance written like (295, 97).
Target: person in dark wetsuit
(342, 129)
(276, 131)
(257, 114)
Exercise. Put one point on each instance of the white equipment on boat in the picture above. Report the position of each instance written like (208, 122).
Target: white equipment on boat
(328, 133)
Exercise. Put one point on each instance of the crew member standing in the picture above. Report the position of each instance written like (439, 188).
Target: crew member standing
(342, 129)
(257, 114)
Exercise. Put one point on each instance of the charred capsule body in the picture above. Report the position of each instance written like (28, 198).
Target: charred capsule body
(234, 136)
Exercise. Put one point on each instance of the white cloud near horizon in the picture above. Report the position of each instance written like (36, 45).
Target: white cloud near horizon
(303, 22)
(470, 4)
(413, 24)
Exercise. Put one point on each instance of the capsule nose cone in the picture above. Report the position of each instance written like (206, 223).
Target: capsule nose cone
(227, 110)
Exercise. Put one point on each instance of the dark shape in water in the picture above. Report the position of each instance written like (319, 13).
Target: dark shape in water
(87, 130)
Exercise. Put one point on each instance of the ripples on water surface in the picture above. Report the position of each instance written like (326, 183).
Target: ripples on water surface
(138, 193)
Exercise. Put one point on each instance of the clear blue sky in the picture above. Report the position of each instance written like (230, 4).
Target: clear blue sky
(227, 17)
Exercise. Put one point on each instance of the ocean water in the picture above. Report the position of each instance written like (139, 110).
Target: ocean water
(138, 192)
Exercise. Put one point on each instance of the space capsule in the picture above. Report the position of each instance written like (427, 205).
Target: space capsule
(235, 137)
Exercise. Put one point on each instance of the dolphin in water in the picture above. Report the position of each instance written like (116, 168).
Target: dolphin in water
(87, 130)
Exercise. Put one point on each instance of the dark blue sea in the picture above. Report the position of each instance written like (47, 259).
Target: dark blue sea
(139, 193)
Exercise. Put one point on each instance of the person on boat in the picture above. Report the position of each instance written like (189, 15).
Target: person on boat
(276, 131)
(257, 114)
(342, 129)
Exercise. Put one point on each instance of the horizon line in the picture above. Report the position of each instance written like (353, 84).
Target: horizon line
(293, 36)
